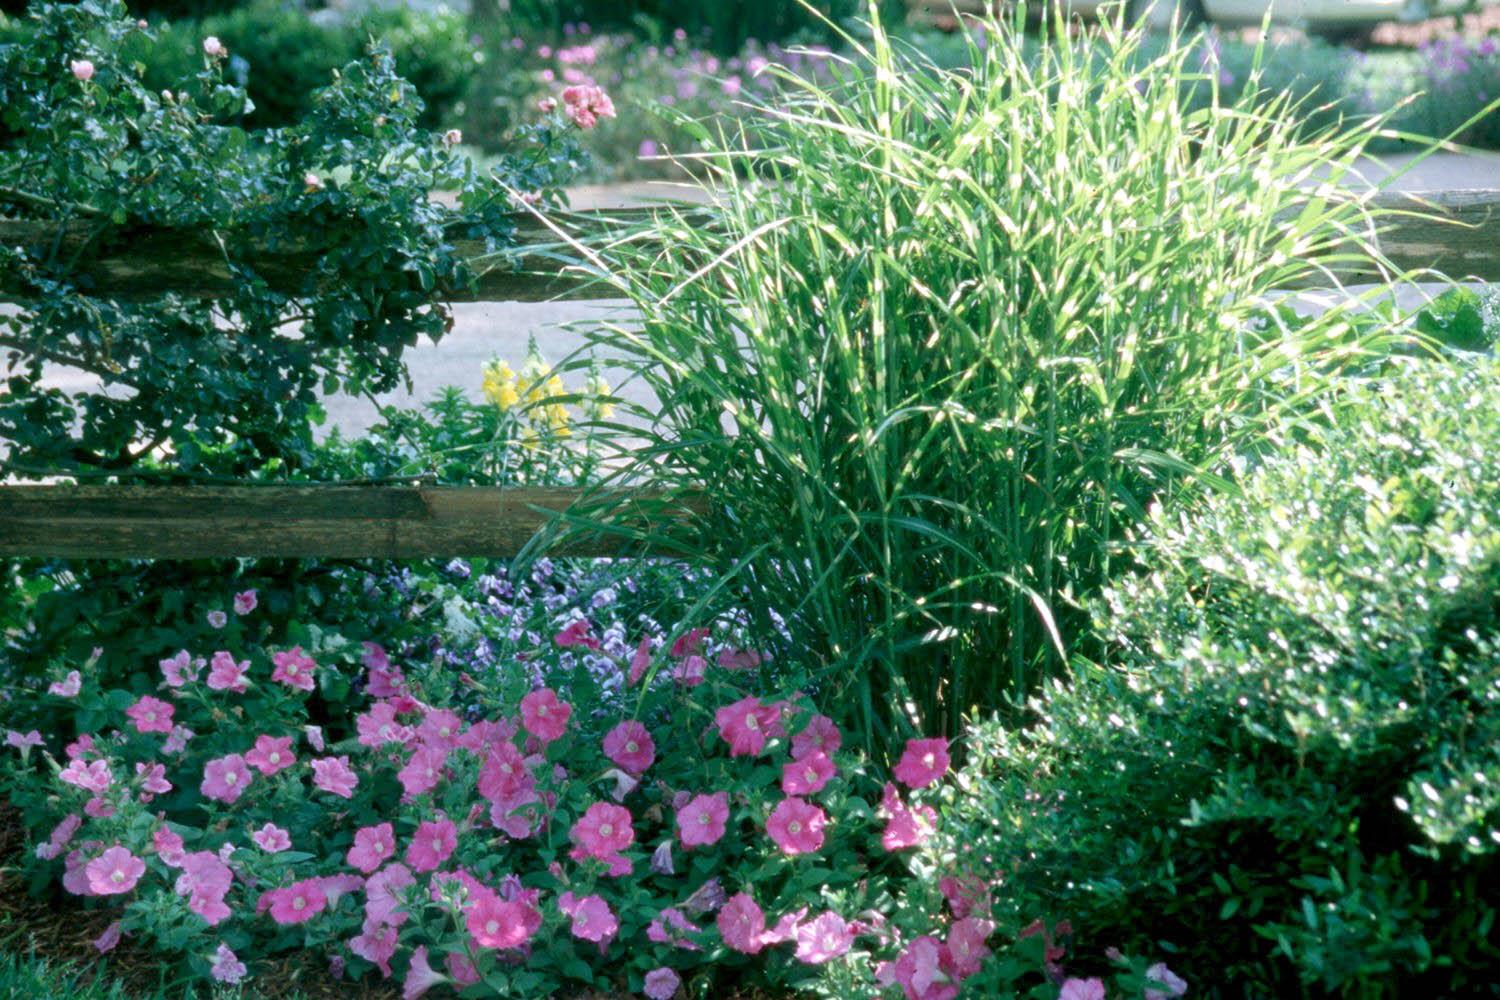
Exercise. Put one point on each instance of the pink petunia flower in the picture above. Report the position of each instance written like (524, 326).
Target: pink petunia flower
(639, 661)
(431, 845)
(68, 687)
(180, 669)
(420, 975)
(420, 775)
(672, 928)
(630, 746)
(592, 918)
(61, 835)
(966, 894)
(106, 942)
(297, 903)
(662, 983)
(440, 729)
(245, 602)
(923, 763)
(741, 924)
(585, 104)
(905, 826)
(823, 938)
(796, 826)
(383, 898)
(701, 822)
(168, 847)
(503, 923)
(23, 741)
(80, 747)
(334, 776)
(153, 778)
(227, 967)
(739, 659)
(113, 872)
(820, 735)
(92, 776)
(923, 970)
(690, 671)
(226, 675)
(272, 839)
(294, 668)
(744, 726)
(376, 944)
(226, 778)
(271, 754)
(690, 643)
(603, 831)
(151, 715)
(505, 774)
(205, 880)
(809, 775)
(177, 741)
(461, 968)
(1082, 989)
(217, 619)
(314, 736)
(576, 633)
(1172, 985)
(379, 726)
(966, 945)
(544, 716)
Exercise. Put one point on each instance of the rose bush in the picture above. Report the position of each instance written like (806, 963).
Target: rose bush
(673, 818)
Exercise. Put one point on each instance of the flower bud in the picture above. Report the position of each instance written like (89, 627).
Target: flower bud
(452, 137)
(213, 48)
(312, 182)
(82, 69)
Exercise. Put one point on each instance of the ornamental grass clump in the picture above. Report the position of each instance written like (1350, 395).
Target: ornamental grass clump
(954, 331)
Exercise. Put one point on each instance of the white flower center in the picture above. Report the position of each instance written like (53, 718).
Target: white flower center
(751, 723)
(929, 761)
(631, 747)
(812, 774)
(437, 843)
(299, 904)
(117, 876)
(794, 827)
(230, 778)
(492, 927)
(605, 829)
(274, 757)
(704, 819)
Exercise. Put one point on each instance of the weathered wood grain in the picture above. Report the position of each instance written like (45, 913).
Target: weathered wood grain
(299, 521)
(1454, 232)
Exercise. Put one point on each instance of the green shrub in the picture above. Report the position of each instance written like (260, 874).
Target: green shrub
(282, 55)
(931, 372)
(1290, 772)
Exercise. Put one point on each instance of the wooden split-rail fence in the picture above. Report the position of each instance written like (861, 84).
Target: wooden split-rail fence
(1456, 233)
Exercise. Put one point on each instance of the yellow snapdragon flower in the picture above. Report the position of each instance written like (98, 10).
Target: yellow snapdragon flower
(500, 385)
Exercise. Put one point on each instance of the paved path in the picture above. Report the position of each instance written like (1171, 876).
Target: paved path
(486, 330)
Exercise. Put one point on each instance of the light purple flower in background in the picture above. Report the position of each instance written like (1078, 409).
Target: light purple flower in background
(227, 967)
(662, 983)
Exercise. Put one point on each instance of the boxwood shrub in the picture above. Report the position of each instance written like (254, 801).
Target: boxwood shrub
(1289, 775)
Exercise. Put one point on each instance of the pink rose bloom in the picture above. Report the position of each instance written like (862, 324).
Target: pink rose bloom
(376, 944)
(226, 778)
(106, 942)
(701, 822)
(505, 774)
(823, 938)
(741, 924)
(1082, 989)
(271, 754)
(820, 735)
(431, 845)
(153, 780)
(923, 763)
(93, 776)
(226, 675)
(922, 971)
(378, 726)
(151, 715)
(796, 826)
(603, 831)
(68, 687)
(1172, 985)
(383, 900)
(630, 746)
(168, 847)
(334, 776)
(294, 668)
(586, 104)
(905, 827)
(82, 69)
(113, 872)
(179, 669)
(543, 716)
(440, 729)
(297, 903)
(639, 661)
(227, 967)
(245, 602)
(662, 983)
(744, 726)
(809, 775)
(576, 634)
(592, 918)
(272, 839)
(420, 774)
(420, 975)
(966, 945)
